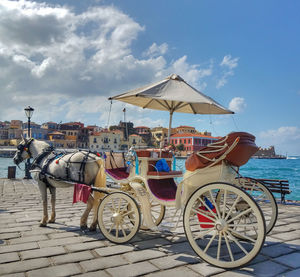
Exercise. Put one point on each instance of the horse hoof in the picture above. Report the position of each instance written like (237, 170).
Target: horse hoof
(93, 228)
(51, 221)
(83, 227)
(43, 224)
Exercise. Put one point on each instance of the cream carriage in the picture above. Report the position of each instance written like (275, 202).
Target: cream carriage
(225, 216)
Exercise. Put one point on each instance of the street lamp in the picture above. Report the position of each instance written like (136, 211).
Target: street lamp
(28, 112)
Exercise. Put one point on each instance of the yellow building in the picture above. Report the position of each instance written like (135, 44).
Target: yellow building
(185, 130)
(160, 135)
(16, 124)
(58, 140)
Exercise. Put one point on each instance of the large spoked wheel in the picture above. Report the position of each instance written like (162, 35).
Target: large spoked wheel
(119, 217)
(224, 225)
(263, 197)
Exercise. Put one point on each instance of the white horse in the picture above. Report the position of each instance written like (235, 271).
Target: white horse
(63, 170)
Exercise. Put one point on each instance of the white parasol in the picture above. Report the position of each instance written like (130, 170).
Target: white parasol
(172, 94)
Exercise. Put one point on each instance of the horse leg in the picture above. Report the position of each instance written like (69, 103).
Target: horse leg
(100, 181)
(84, 217)
(43, 190)
(53, 198)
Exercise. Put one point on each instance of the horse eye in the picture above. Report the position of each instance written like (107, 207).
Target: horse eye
(20, 147)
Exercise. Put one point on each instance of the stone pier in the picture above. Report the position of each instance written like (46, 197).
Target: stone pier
(62, 249)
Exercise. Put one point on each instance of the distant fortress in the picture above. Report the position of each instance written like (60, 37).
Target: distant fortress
(267, 153)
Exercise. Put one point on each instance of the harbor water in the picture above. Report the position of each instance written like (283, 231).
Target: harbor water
(285, 169)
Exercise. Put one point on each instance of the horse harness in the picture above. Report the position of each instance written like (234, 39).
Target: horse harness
(51, 155)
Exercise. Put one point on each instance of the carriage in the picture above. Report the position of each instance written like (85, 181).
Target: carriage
(225, 216)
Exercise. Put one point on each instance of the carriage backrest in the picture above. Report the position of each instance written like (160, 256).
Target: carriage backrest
(114, 160)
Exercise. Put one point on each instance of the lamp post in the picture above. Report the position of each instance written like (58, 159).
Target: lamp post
(28, 112)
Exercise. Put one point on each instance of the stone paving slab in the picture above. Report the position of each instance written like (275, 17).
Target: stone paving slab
(62, 249)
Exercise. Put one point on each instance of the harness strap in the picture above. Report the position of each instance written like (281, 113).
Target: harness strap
(82, 167)
(112, 158)
(39, 158)
(68, 165)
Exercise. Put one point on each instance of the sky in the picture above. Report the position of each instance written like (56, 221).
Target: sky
(66, 57)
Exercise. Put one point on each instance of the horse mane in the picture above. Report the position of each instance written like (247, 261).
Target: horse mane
(40, 145)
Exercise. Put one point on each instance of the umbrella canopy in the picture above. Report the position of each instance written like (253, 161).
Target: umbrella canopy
(172, 94)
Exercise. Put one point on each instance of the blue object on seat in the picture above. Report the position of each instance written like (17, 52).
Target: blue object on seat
(162, 165)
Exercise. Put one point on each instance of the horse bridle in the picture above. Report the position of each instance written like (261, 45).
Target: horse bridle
(25, 147)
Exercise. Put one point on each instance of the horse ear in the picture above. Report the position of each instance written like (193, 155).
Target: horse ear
(25, 140)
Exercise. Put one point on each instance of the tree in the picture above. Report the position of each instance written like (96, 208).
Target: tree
(180, 147)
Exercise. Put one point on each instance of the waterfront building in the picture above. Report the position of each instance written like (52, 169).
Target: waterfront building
(145, 133)
(160, 135)
(136, 141)
(35, 131)
(105, 141)
(4, 126)
(191, 142)
(126, 127)
(71, 131)
(15, 132)
(50, 126)
(185, 130)
(58, 140)
(83, 138)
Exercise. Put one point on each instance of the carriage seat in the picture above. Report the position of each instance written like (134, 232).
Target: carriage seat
(115, 165)
(152, 171)
(118, 173)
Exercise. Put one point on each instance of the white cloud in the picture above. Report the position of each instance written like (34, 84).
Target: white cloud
(228, 64)
(192, 74)
(286, 139)
(156, 50)
(66, 64)
(237, 104)
(282, 133)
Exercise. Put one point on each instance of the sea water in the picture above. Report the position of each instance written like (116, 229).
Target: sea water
(285, 169)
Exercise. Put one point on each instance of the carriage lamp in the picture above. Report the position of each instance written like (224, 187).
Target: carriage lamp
(28, 112)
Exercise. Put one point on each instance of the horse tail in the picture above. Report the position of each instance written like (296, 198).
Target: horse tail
(100, 181)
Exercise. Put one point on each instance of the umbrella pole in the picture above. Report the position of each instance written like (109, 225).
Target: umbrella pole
(170, 124)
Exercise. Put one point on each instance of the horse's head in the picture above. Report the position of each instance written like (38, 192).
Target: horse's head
(23, 151)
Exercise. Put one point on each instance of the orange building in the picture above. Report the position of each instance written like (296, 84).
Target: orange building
(192, 142)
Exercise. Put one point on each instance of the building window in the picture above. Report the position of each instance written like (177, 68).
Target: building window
(184, 141)
(95, 140)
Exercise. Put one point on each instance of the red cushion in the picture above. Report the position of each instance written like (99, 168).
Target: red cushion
(118, 173)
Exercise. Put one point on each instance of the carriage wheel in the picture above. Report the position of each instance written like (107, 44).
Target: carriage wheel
(220, 221)
(119, 217)
(264, 197)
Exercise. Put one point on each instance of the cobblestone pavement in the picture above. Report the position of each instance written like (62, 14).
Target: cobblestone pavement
(62, 249)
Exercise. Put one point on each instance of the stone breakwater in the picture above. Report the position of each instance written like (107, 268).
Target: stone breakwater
(62, 249)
